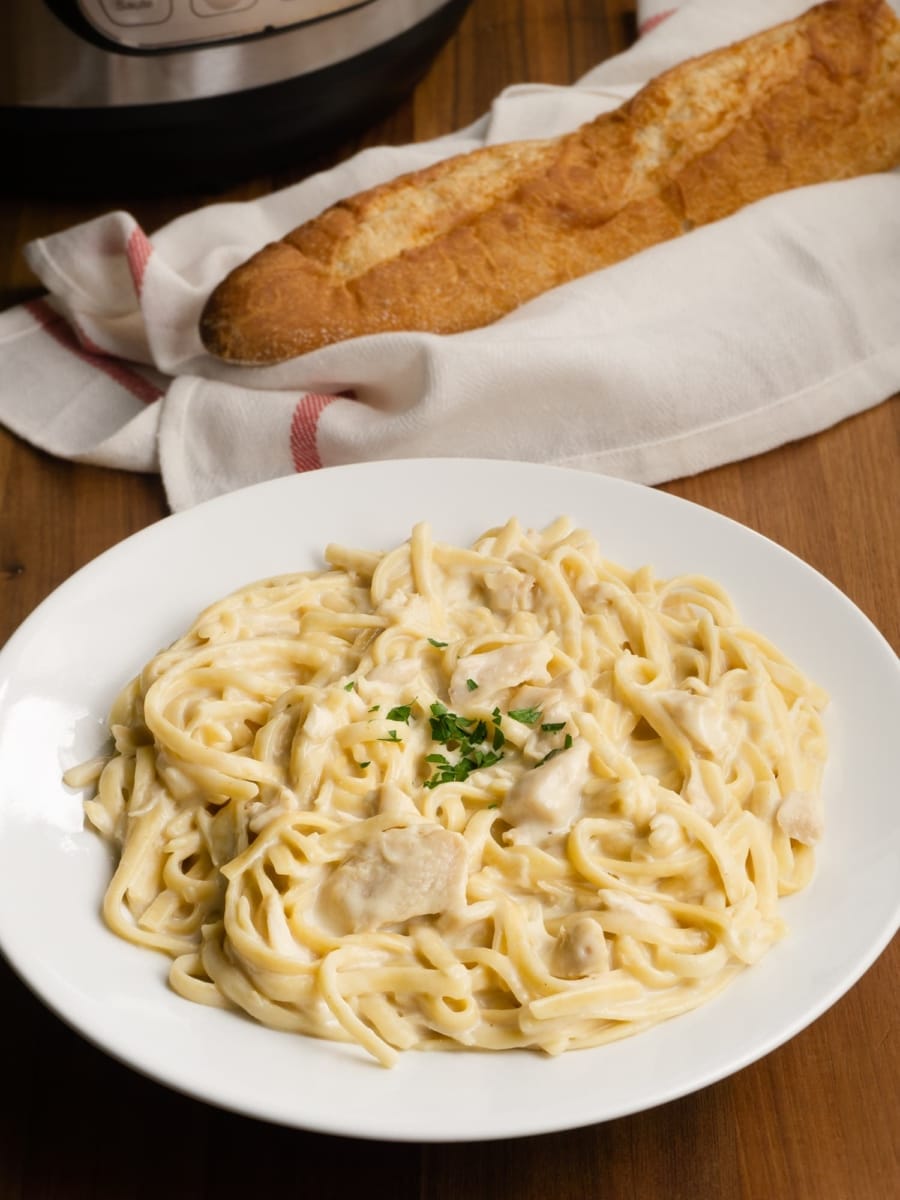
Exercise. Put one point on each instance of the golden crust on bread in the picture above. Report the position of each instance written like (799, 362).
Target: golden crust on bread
(462, 243)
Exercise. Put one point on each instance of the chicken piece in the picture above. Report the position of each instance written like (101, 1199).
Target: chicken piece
(702, 720)
(321, 722)
(508, 589)
(580, 949)
(395, 802)
(412, 871)
(801, 816)
(496, 670)
(547, 798)
(414, 611)
(545, 700)
(556, 702)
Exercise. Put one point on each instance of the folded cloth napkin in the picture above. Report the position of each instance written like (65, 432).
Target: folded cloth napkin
(760, 329)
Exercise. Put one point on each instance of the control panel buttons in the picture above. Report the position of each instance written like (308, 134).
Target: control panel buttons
(137, 12)
(170, 24)
(211, 8)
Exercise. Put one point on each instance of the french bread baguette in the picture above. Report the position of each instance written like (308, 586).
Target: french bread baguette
(458, 245)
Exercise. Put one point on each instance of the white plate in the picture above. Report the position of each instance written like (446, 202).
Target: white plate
(62, 668)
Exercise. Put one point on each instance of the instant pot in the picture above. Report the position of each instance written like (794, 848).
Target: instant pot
(163, 93)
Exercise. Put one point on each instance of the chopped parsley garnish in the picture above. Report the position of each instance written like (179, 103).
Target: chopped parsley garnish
(528, 716)
(454, 730)
(456, 772)
(435, 642)
(471, 685)
(365, 764)
(348, 687)
(471, 742)
(559, 749)
(465, 735)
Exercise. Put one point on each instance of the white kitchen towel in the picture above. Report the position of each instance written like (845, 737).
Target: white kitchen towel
(741, 336)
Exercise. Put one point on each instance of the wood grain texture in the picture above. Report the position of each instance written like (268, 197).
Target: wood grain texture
(816, 1119)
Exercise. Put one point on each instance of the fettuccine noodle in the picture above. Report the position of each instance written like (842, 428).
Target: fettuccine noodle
(511, 795)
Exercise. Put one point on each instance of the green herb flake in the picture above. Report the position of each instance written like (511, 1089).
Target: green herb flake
(437, 644)
(468, 736)
(528, 716)
(471, 685)
(348, 687)
(553, 727)
(559, 749)
(365, 764)
(448, 727)
(400, 713)
(481, 758)
(391, 737)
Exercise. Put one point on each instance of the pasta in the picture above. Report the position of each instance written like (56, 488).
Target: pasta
(497, 796)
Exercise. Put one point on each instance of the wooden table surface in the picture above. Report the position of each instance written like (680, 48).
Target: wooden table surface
(818, 1118)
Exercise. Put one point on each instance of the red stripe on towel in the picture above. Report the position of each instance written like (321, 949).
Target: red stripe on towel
(122, 374)
(138, 253)
(304, 423)
(656, 19)
(85, 342)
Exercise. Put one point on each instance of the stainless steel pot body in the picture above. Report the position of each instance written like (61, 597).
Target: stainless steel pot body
(113, 53)
(186, 93)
